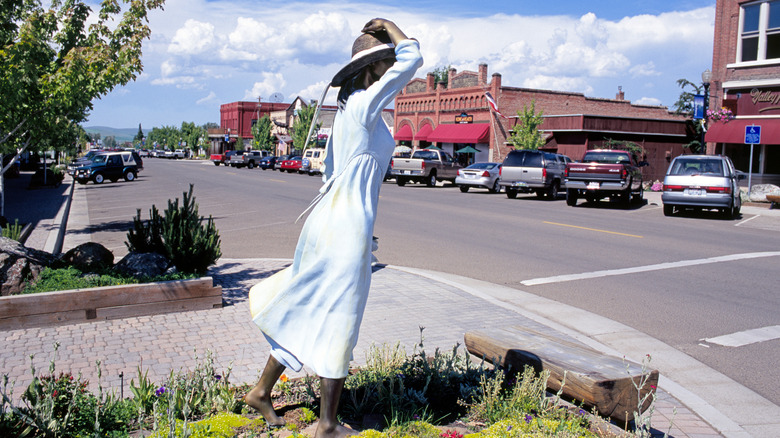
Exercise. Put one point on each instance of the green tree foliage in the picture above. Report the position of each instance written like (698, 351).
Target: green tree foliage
(139, 136)
(442, 74)
(300, 128)
(192, 135)
(54, 63)
(623, 145)
(109, 142)
(684, 105)
(179, 235)
(166, 137)
(526, 134)
(262, 139)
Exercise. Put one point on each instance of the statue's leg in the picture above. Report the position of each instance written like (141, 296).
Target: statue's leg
(330, 392)
(259, 397)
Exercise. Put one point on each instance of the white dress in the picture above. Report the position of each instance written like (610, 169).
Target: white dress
(311, 311)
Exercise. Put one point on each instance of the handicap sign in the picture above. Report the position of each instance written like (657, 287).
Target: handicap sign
(752, 135)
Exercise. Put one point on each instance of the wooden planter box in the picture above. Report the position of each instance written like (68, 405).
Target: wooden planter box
(110, 302)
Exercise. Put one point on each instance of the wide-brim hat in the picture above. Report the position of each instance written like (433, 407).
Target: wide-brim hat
(367, 49)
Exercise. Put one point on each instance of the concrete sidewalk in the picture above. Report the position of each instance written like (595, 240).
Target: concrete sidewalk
(401, 300)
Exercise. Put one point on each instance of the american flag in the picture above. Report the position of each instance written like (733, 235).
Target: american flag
(493, 104)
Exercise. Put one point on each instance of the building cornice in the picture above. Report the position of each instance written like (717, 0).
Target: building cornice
(750, 84)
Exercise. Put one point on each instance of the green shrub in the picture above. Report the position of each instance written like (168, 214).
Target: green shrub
(179, 235)
(68, 278)
(13, 231)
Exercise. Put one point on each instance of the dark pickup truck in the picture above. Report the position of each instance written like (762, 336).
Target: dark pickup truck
(604, 173)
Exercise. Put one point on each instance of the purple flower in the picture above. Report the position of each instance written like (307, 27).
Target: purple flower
(160, 391)
(508, 428)
(528, 418)
(217, 377)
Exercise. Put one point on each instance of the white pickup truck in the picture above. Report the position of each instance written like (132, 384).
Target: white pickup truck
(426, 166)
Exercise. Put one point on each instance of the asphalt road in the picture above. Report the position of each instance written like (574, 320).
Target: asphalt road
(635, 266)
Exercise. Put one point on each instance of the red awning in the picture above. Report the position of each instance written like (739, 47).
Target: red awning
(423, 133)
(733, 131)
(404, 134)
(461, 133)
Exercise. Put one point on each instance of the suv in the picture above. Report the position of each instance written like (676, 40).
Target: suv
(112, 166)
(702, 182)
(312, 161)
(533, 171)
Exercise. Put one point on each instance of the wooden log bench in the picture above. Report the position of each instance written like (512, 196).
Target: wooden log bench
(593, 378)
(109, 302)
(774, 201)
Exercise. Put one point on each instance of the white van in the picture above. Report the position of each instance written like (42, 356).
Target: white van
(312, 160)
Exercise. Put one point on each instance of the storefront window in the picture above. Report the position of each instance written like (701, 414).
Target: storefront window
(772, 160)
(760, 38)
(740, 155)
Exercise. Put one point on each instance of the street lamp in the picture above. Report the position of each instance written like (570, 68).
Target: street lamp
(706, 77)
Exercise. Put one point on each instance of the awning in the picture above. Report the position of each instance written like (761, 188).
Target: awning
(468, 150)
(404, 134)
(423, 133)
(461, 133)
(733, 131)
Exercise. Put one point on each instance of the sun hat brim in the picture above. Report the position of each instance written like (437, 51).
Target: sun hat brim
(361, 60)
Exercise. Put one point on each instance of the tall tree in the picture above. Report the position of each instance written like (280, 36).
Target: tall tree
(684, 105)
(300, 128)
(139, 136)
(526, 134)
(442, 75)
(53, 63)
(262, 138)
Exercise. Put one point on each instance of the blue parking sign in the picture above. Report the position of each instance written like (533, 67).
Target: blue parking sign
(752, 134)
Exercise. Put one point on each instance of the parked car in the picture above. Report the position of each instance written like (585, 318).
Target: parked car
(702, 182)
(426, 166)
(292, 164)
(111, 166)
(268, 162)
(603, 173)
(479, 175)
(312, 161)
(86, 159)
(281, 159)
(529, 171)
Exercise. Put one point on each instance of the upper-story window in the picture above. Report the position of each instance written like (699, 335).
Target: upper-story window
(760, 31)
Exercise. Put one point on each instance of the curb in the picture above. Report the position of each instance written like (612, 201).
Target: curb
(60, 223)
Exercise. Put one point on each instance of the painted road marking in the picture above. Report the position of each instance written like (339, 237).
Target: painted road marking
(593, 229)
(658, 267)
(746, 337)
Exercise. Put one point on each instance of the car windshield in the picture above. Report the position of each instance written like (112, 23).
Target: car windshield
(99, 158)
(697, 167)
(606, 157)
(426, 155)
(482, 166)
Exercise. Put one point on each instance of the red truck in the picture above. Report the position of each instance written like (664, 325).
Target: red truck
(218, 159)
(602, 173)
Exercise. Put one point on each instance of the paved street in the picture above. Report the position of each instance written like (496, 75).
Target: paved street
(425, 295)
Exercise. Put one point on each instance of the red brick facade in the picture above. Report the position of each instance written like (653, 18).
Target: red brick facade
(749, 88)
(425, 103)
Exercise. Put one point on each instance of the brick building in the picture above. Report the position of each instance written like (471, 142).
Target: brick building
(457, 114)
(235, 122)
(746, 81)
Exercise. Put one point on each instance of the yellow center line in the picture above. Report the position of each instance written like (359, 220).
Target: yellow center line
(277, 180)
(594, 229)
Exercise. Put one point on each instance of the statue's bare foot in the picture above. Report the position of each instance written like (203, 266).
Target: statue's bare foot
(333, 430)
(262, 404)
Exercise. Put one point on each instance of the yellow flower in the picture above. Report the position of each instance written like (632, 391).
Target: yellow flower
(284, 378)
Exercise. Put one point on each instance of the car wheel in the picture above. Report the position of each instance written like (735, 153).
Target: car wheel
(400, 181)
(431, 180)
(216, 163)
(129, 175)
(552, 192)
(464, 189)
(250, 165)
(496, 188)
(668, 210)
(638, 197)
(571, 197)
(511, 193)
(99, 178)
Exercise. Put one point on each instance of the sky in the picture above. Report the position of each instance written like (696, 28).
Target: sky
(204, 53)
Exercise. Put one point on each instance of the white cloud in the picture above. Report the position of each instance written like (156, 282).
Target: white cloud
(193, 38)
(314, 92)
(648, 101)
(208, 99)
(271, 83)
(558, 83)
(647, 69)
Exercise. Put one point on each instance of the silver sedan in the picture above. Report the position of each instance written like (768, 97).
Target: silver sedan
(702, 182)
(479, 175)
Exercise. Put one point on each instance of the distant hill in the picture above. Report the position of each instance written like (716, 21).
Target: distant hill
(120, 134)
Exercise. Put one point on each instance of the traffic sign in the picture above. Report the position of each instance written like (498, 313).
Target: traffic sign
(752, 134)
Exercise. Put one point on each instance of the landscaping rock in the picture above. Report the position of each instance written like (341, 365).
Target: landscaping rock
(142, 264)
(89, 257)
(19, 264)
(758, 192)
